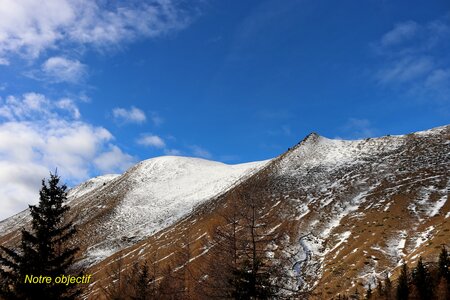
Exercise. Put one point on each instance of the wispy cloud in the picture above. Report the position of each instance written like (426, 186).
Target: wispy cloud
(415, 59)
(174, 152)
(356, 128)
(406, 69)
(69, 105)
(132, 115)
(400, 33)
(283, 130)
(151, 141)
(156, 119)
(31, 27)
(200, 152)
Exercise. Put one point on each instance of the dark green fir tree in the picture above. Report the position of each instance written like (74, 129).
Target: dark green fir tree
(444, 264)
(422, 281)
(403, 284)
(44, 250)
(369, 292)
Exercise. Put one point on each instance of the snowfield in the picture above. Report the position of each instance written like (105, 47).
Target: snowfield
(161, 191)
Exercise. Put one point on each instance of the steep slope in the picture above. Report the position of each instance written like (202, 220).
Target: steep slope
(115, 211)
(151, 196)
(368, 204)
(352, 210)
(9, 226)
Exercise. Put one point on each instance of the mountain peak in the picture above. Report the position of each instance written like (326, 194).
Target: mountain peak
(312, 137)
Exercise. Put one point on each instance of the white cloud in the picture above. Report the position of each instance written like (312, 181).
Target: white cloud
(30, 27)
(37, 136)
(68, 104)
(60, 69)
(152, 141)
(20, 185)
(27, 106)
(34, 106)
(200, 152)
(132, 115)
(114, 160)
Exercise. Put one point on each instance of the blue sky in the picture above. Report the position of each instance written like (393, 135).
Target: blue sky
(92, 87)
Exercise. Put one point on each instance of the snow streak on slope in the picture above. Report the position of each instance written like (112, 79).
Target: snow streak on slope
(345, 191)
(90, 185)
(161, 191)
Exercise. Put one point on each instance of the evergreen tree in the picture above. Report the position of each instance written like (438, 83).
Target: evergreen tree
(369, 292)
(44, 250)
(252, 283)
(422, 281)
(444, 264)
(380, 289)
(387, 287)
(141, 282)
(402, 285)
(356, 295)
(444, 274)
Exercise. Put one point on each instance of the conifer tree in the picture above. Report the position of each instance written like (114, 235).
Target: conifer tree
(356, 294)
(141, 282)
(387, 287)
(44, 250)
(380, 289)
(444, 264)
(403, 284)
(443, 284)
(422, 281)
(369, 292)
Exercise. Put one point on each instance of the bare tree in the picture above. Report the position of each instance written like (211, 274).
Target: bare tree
(135, 283)
(248, 258)
(116, 289)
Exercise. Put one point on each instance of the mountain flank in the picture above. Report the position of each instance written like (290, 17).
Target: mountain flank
(346, 212)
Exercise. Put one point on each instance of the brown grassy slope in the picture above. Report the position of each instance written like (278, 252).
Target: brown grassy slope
(357, 213)
(393, 208)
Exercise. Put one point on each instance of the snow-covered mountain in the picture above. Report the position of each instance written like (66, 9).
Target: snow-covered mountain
(368, 204)
(114, 211)
(153, 195)
(352, 209)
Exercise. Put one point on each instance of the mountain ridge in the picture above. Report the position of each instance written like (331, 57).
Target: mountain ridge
(348, 196)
